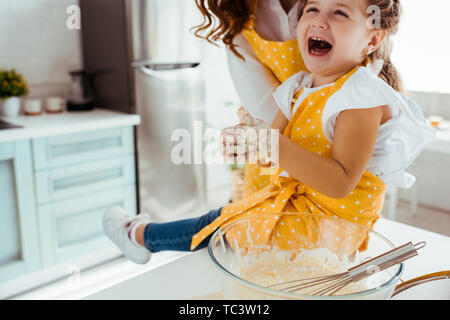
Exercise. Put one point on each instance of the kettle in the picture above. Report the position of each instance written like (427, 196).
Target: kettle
(81, 92)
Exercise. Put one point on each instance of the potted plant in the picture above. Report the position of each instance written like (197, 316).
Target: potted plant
(12, 87)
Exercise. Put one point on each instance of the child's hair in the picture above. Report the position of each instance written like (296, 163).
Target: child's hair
(390, 12)
(232, 15)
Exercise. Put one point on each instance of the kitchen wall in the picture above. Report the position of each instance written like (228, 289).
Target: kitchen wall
(36, 41)
(432, 103)
(432, 173)
(431, 168)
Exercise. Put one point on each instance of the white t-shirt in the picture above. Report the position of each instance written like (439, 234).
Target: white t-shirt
(253, 82)
(399, 140)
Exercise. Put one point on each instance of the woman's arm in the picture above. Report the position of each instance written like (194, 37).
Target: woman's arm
(253, 82)
(355, 134)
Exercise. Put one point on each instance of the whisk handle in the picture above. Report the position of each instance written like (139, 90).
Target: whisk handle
(385, 261)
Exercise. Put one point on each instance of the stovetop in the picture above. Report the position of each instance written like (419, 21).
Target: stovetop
(8, 125)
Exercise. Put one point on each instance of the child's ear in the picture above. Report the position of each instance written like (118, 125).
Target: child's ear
(376, 39)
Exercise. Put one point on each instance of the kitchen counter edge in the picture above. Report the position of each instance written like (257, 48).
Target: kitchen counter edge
(65, 123)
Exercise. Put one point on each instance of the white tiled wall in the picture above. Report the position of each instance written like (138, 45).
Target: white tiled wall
(34, 39)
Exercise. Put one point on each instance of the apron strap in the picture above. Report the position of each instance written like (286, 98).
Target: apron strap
(250, 24)
(253, 6)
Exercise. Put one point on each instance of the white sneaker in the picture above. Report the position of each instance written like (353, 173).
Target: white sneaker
(142, 217)
(115, 224)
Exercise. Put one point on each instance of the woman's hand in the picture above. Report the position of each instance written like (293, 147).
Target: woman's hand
(250, 141)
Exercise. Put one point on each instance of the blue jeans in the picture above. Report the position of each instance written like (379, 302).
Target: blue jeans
(177, 235)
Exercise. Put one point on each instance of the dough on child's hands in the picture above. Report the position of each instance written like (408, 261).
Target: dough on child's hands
(245, 118)
(249, 140)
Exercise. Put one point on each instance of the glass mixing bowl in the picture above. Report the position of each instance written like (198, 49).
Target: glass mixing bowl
(248, 262)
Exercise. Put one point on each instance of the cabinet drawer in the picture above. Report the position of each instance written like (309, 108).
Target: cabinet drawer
(50, 152)
(6, 150)
(74, 227)
(67, 182)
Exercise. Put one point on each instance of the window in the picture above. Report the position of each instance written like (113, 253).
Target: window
(421, 47)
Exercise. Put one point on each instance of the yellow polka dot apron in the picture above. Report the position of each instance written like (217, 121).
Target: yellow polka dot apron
(288, 195)
(284, 59)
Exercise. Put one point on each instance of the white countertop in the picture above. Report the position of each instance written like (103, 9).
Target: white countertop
(64, 123)
(193, 275)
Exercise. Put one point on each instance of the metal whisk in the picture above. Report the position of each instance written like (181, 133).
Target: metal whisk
(333, 283)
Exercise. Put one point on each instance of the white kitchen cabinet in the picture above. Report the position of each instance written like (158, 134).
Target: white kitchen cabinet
(77, 178)
(19, 250)
(67, 149)
(55, 186)
(73, 227)
(83, 179)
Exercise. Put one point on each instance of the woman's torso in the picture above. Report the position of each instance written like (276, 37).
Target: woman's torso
(282, 58)
(273, 39)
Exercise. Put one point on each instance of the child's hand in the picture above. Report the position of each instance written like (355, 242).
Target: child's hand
(245, 118)
(248, 142)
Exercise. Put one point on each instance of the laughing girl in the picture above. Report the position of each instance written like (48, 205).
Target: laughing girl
(347, 131)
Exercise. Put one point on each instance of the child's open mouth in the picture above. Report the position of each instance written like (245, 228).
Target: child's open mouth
(318, 46)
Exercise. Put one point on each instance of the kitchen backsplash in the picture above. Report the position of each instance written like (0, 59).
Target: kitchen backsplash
(36, 41)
